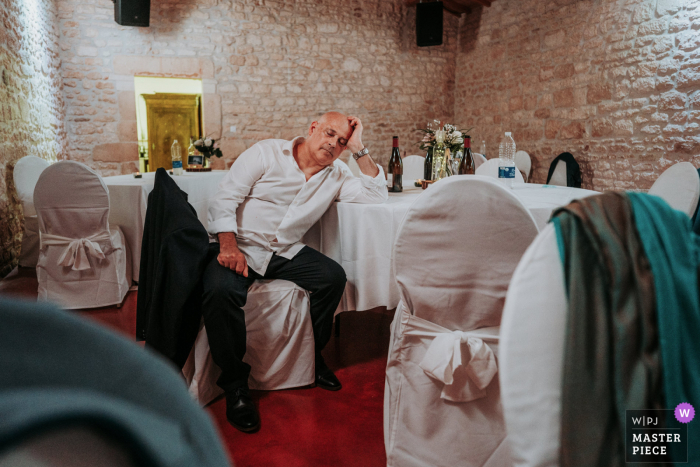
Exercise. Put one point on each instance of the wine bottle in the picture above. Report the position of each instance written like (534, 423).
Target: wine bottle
(466, 166)
(395, 173)
(428, 165)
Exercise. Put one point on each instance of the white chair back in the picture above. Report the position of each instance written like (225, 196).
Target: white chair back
(26, 174)
(559, 174)
(490, 169)
(354, 168)
(523, 163)
(679, 186)
(478, 159)
(72, 201)
(532, 353)
(413, 168)
(82, 263)
(465, 264)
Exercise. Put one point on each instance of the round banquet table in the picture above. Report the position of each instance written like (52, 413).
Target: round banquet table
(360, 237)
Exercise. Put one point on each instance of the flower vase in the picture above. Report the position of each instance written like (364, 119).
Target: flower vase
(439, 156)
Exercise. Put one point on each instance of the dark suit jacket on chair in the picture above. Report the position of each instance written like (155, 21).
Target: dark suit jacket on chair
(173, 257)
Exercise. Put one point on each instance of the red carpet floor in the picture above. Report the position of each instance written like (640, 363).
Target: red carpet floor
(300, 427)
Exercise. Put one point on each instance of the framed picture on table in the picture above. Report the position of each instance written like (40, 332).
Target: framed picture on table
(195, 161)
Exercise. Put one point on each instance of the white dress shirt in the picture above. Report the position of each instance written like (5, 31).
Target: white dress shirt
(267, 202)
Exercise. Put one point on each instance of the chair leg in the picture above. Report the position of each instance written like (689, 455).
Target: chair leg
(337, 326)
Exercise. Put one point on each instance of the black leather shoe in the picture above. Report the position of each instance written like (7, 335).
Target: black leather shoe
(325, 379)
(241, 412)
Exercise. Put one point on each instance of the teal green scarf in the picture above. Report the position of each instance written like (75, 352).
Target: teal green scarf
(673, 250)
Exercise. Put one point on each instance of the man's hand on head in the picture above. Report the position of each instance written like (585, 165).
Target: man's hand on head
(229, 254)
(355, 141)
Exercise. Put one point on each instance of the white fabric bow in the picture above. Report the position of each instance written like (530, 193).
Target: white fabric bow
(75, 255)
(463, 382)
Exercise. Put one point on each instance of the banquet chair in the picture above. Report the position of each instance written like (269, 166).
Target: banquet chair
(354, 168)
(413, 167)
(523, 163)
(626, 262)
(279, 343)
(82, 260)
(26, 173)
(564, 171)
(559, 175)
(532, 353)
(442, 398)
(478, 159)
(679, 186)
(490, 169)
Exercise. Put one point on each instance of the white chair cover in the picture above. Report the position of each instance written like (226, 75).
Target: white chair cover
(478, 159)
(559, 174)
(279, 343)
(679, 186)
(523, 163)
(490, 169)
(532, 353)
(354, 168)
(442, 399)
(413, 168)
(26, 173)
(82, 262)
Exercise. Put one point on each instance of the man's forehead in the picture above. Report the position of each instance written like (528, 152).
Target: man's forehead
(340, 126)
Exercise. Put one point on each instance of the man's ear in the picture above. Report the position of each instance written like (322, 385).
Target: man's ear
(312, 127)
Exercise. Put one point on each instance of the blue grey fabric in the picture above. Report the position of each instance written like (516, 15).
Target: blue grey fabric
(58, 370)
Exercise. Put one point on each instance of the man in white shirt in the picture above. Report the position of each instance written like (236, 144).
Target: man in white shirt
(275, 191)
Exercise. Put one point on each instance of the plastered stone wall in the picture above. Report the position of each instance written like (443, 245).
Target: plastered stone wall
(31, 106)
(614, 82)
(269, 68)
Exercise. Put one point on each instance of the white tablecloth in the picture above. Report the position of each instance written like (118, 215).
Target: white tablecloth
(128, 197)
(361, 237)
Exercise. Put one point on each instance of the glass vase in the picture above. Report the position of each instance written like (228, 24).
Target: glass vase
(439, 159)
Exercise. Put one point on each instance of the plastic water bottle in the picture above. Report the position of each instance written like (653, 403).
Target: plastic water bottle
(506, 160)
(176, 153)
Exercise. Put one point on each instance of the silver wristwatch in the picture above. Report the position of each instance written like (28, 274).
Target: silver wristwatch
(360, 153)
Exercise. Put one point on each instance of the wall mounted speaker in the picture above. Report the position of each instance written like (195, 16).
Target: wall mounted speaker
(429, 24)
(132, 12)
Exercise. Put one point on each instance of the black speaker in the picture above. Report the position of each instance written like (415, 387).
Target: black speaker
(132, 12)
(429, 24)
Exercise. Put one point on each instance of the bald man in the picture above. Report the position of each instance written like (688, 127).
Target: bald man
(274, 192)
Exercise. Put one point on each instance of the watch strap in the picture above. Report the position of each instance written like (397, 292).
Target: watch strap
(360, 153)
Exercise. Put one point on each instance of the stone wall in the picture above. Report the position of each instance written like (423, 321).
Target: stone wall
(614, 82)
(31, 107)
(269, 68)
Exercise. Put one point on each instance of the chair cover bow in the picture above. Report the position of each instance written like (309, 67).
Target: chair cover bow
(75, 254)
(463, 381)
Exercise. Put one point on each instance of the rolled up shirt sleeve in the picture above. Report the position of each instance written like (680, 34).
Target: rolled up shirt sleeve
(233, 189)
(364, 189)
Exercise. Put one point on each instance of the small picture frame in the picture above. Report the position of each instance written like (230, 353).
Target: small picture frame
(195, 161)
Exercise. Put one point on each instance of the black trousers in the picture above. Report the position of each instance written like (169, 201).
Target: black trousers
(225, 294)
